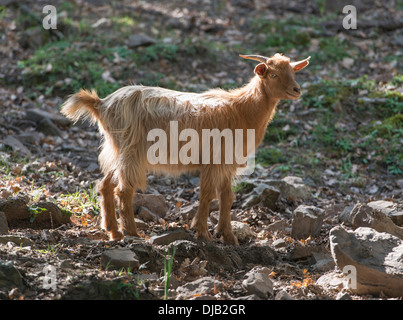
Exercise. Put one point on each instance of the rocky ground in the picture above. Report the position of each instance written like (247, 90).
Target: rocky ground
(326, 195)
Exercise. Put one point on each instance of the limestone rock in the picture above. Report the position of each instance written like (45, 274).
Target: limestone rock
(257, 282)
(155, 203)
(376, 256)
(364, 215)
(242, 231)
(307, 221)
(119, 258)
(202, 286)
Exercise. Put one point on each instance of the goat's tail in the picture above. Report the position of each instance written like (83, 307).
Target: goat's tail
(84, 104)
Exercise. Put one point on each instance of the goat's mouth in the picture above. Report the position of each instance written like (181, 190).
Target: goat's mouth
(293, 95)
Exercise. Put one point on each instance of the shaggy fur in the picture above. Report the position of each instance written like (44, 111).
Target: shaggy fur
(126, 116)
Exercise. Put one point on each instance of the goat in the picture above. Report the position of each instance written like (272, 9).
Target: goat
(126, 116)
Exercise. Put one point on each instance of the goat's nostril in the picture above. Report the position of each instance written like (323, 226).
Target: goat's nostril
(297, 89)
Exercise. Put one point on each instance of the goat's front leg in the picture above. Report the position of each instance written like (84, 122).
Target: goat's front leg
(207, 194)
(226, 197)
(108, 214)
(125, 204)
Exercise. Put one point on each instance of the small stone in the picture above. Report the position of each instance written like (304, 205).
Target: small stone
(155, 203)
(343, 296)
(202, 286)
(18, 240)
(15, 209)
(283, 295)
(168, 237)
(146, 215)
(47, 127)
(257, 282)
(279, 243)
(242, 231)
(119, 258)
(10, 277)
(139, 40)
(307, 221)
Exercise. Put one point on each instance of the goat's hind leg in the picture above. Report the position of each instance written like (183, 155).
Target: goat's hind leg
(226, 198)
(109, 222)
(125, 204)
(207, 194)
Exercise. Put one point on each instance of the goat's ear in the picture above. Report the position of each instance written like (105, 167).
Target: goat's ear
(261, 70)
(299, 65)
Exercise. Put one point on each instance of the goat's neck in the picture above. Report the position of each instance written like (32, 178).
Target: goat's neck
(258, 107)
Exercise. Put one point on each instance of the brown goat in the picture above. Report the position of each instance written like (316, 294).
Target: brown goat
(127, 116)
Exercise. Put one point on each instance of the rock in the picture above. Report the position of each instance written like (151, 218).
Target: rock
(16, 145)
(262, 255)
(279, 243)
(18, 240)
(66, 264)
(343, 296)
(330, 281)
(15, 209)
(291, 188)
(323, 262)
(283, 295)
(301, 252)
(140, 224)
(3, 223)
(376, 256)
(155, 203)
(202, 286)
(307, 221)
(119, 258)
(279, 226)
(257, 282)
(140, 40)
(47, 127)
(242, 231)
(363, 215)
(390, 209)
(37, 115)
(52, 215)
(265, 194)
(344, 216)
(146, 215)
(34, 38)
(168, 237)
(10, 277)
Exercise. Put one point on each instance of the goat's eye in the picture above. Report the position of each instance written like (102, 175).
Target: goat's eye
(273, 75)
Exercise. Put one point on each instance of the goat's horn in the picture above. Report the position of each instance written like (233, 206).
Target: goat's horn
(255, 57)
(293, 64)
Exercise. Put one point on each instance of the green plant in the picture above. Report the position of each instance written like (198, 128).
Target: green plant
(34, 212)
(168, 263)
(269, 156)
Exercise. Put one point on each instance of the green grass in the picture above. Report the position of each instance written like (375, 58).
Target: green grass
(168, 263)
(296, 34)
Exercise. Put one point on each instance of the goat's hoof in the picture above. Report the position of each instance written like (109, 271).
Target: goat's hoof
(229, 238)
(205, 236)
(116, 236)
(130, 233)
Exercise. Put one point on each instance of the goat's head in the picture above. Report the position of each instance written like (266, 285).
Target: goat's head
(277, 75)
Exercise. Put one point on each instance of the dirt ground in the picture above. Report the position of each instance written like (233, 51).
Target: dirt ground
(343, 138)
